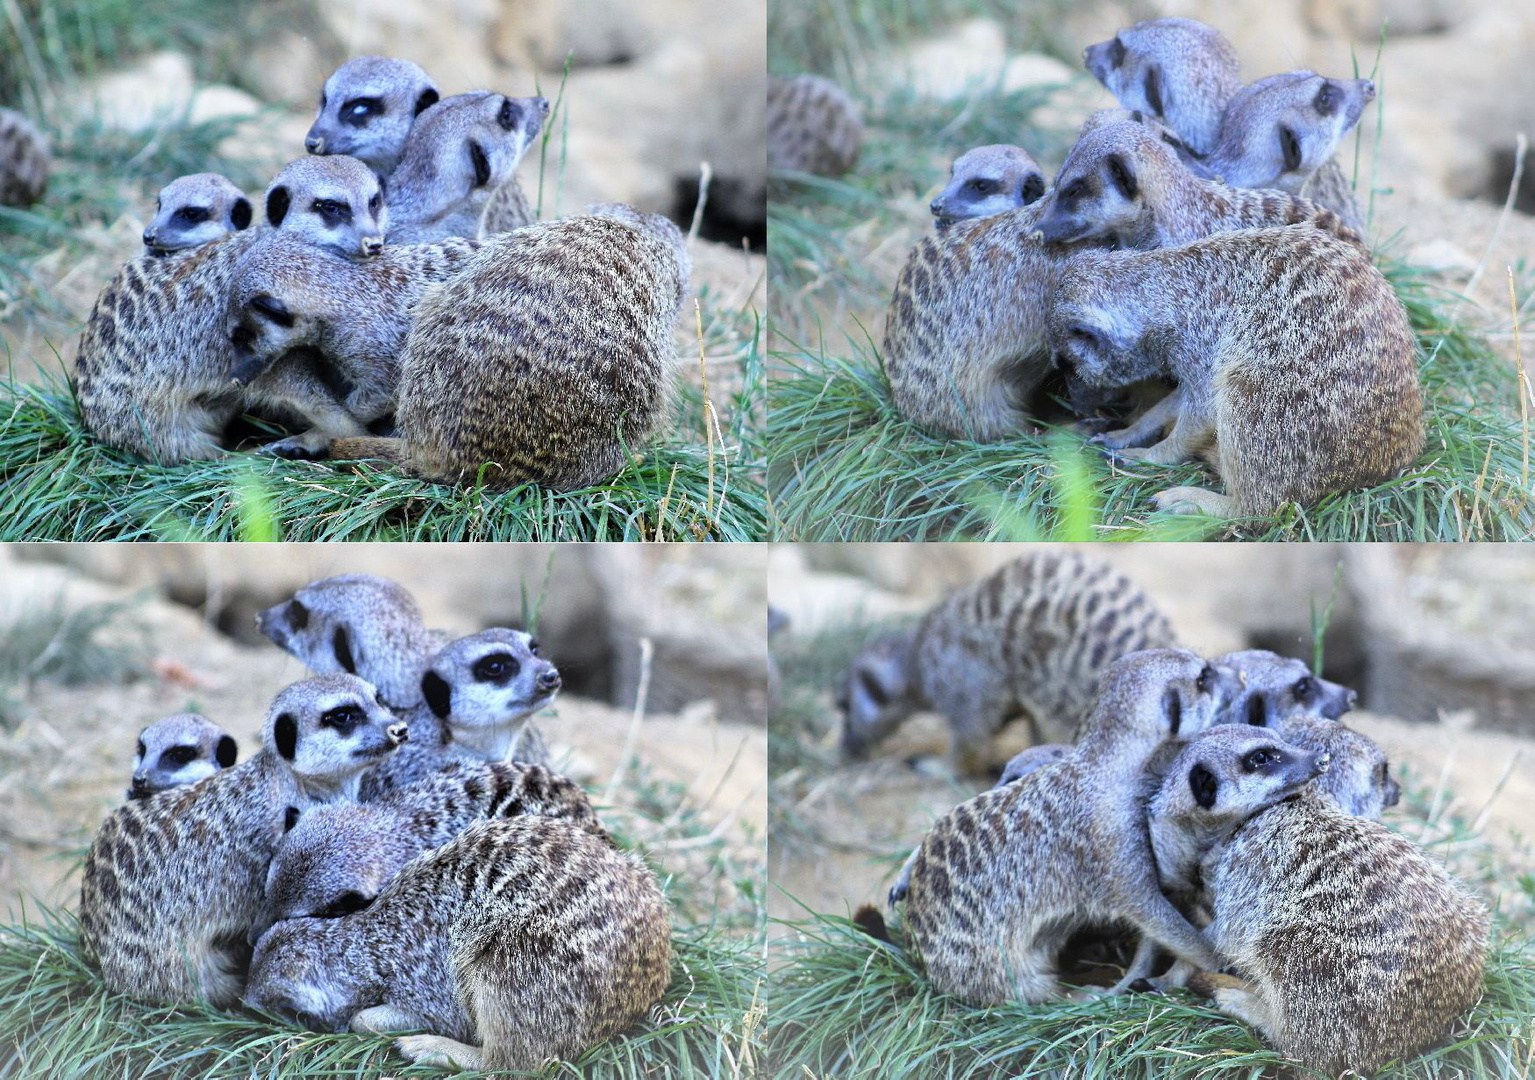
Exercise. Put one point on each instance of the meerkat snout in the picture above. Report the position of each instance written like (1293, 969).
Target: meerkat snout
(1322, 762)
(398, 733)
(314, 144)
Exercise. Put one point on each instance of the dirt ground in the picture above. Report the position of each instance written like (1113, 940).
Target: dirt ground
(841, 834)
(66, 762)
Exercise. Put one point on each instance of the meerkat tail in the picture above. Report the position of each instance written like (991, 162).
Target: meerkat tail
(370, 448)
(868, 919)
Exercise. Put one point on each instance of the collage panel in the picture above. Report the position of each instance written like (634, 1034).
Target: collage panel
(1007, 782)
(314, 270)
(478, 808)
(1166, 271)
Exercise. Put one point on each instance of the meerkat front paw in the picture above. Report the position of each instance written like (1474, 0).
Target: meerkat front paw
(295, 448)
(1121, 441)
(1192, 500)
(438, 1052)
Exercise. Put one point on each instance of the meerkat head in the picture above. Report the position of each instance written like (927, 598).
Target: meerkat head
(335, 203)
(192, 210)
(367, 108)
(1099, 338)
(328, 730)
(295, 975)
(1228, 774)
(1160, 695)
(464, 145)
(177, 750)
(876, 693)
(988, 180)
(1178, 70)
(483, 686)
(1031, 760)
(1359, 776)
(359, 624)
(1277, 132)
(1109, 185)
(1276, 689)
(334, 860)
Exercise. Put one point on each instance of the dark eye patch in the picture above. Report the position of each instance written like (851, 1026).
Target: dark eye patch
(1116, 51)
(141, 748)
(1303, 687)
(496, 668)
(870, 686)
(1328, 99)
(509, 114)
(332, 211)
(298, 615)
(192, 215)
(344, 718)
(982, 186)
(177, 756)
(1074, 192)
(1264, 758)
(359, 112)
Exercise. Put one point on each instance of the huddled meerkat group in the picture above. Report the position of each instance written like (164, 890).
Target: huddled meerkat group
(397, 856)
(394, 297)
(1219, 808)
(1202, 240)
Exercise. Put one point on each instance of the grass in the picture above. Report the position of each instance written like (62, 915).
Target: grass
(59, 1020)
(845, 465)
(58, 483)
(847, 1006)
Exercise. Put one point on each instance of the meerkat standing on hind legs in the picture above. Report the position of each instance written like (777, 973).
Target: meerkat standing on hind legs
(522, 940)
(174, 881)
(1003, 880)
(1292, 354)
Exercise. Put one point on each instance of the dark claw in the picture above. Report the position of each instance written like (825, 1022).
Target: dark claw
(291, 451)
(1142, 986)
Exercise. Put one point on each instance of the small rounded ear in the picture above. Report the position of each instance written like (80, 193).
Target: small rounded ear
(1257, 710)
(1123, 175)
(1172, 709)
(438, 694)
(289, 819)
(480, 162)
(341, 645)
(1289, 145)
(1033, 188)
(240, 214)
(285, 735)
(1154, 90)
(225, 752)
(428, 97)
(1203, 785)
(277, 205)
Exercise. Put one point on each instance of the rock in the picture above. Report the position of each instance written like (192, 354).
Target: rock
(1443, 257)
(138, 97)
(1029, 70)
(451, 39)
(541, 33)
(950, 65)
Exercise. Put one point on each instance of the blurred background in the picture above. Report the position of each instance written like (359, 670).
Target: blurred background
(1437, 150)
(133, 94)
(96, 641)
(1439, 641)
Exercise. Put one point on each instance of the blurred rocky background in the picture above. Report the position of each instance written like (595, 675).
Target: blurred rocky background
(96, 641)
(1439, 640)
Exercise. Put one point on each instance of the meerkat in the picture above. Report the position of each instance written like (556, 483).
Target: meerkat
(572, 320)
(192, 210)
(25, 160)
(507, 210)
(812, 126)
(988, 180)
(367, 108)
(179, 750)
(363, 625)
(152, 373)
(473, 942)
(339, 207)
(1178, 70)
(458, 154)
(1123, 183)
(1185, 74)
(174, 881)
(337, 858)
(1332, 983)
(1033, 637)
(291, 300)
(1290, 350)
(1003, 880)
(480, 694)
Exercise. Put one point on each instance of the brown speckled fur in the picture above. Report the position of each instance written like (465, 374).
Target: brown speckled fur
(529, 936)
(812, 126)
(25, 160)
